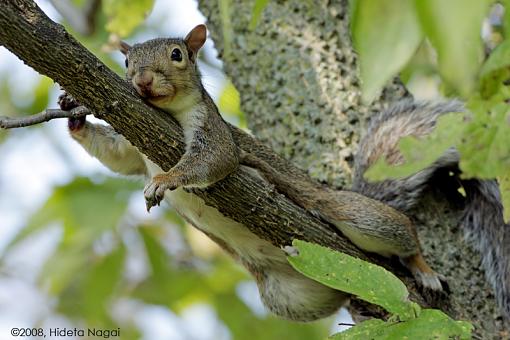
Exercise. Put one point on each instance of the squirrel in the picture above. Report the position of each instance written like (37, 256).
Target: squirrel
(482, 219)
(164, 73)
(371, 225)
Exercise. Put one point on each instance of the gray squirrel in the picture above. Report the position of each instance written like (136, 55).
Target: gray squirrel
(482, 220)
(164, 72)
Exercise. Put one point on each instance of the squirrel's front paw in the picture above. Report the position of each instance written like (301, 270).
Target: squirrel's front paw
(76, 124)
(154, 192)
(67, 102)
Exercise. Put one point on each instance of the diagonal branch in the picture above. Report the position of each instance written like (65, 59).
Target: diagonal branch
(44, 45)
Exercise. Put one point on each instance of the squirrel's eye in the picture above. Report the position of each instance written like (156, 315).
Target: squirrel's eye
(176, 54)
(126, 62)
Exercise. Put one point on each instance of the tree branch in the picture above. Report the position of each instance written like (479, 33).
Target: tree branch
(45, 116)
(44, 45)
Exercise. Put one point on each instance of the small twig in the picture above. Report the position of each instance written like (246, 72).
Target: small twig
(45, 116)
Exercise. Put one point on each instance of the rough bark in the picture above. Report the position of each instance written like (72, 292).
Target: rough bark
(46, 46)
(299, 85)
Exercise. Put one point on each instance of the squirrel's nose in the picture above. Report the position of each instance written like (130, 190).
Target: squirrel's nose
(144, 83)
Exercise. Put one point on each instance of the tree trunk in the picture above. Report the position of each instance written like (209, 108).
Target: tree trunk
(300, 90)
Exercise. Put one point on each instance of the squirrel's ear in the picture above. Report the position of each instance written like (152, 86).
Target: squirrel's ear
(124, 47)
(195, 40)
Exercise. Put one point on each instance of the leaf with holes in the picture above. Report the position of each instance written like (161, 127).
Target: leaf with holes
(366, 280)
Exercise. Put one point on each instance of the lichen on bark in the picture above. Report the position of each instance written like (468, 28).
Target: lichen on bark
(300, 90)
(297, 75)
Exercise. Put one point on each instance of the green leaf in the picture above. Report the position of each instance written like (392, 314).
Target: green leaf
(82, 207)
(258, 8)
(498, 59)
(230, 101)
(420, 153)
(421, 65)
(386, 34)
(226, 25)
(504, 183)
(430, 324)
(492, 84)
(229, 104)
(368, 281)
(86, 211)
(484, 151)
(125, 15)
(92, 287)
(453, 28)
(506, 18)
(61, 267)
(242, 324)
(167, 284)
(370, 329)
(41, 95)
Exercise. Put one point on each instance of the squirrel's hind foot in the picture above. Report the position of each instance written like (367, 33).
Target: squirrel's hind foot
(429, 280)
(423, 274)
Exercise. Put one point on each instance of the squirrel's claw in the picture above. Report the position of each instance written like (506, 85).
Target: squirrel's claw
(149, 203)
(154, 192)
(151, 199)
(76, 124)
(429, 280)
(423, 274)
(67, 102)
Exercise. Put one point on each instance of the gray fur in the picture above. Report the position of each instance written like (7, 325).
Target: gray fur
(482, 220)
(485, 229)
(401, 194)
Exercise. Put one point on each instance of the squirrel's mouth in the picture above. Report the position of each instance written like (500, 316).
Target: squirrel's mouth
(152, 97)
(156, 95)
(157, 98)
(160, 101)
(153, 89)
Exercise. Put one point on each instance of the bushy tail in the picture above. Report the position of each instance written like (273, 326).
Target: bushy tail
(482, 220)
(485, 228)
(406, 118)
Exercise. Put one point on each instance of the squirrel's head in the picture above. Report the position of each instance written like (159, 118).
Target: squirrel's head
(164, 71)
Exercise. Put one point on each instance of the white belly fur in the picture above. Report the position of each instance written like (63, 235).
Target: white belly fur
(283, 290)
(210, 220)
